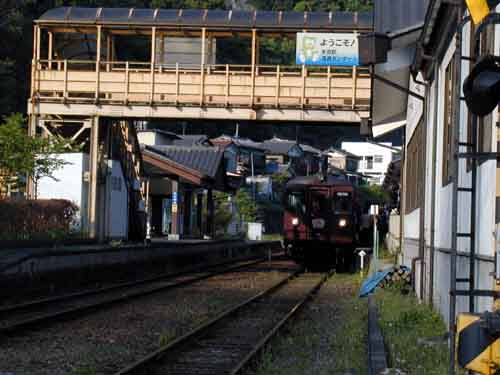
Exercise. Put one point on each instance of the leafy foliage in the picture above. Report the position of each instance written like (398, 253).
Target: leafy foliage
(36, 219)
(375, 194)
(21, 154)
(246, 205)
(223, 214)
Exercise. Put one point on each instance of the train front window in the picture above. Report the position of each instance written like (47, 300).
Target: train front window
(319, 205)
(342, 202)
(296, 203)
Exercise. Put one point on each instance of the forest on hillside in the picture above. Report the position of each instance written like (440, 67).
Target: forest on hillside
(16, 28)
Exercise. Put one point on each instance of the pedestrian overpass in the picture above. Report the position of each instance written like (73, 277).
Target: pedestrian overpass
(79, 67)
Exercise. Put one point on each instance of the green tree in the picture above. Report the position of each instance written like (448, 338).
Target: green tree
(375, 194)
(246, 205)
(21, 154)
(223, 214)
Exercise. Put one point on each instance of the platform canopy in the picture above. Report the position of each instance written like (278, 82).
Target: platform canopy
(218, 19)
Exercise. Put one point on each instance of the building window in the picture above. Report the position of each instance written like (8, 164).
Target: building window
(369, 162)
(414, 170)
(379, 159)
(448, 123)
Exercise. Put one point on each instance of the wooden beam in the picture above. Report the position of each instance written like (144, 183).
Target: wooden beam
(34, 63)
(37, 53)
(153, 60)
(354, 85)
(108, 52)
(162, 49)
(98, 62)
(92, 198)
(202, 69)
(254, 57)
(50, 51)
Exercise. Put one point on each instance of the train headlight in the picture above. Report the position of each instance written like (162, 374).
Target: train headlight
(342, 223)
(295, 221)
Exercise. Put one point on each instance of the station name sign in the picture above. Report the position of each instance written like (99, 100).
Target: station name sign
(327, 49)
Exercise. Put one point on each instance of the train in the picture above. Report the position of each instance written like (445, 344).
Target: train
(323, 221)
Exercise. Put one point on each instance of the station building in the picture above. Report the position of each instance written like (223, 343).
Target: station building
(449, 171)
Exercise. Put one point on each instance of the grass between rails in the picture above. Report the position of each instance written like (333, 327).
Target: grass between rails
(327, 337)
(414, 334)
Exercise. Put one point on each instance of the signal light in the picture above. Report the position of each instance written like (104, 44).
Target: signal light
(482, 86)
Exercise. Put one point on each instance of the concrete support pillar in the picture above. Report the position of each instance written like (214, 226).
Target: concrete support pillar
(93, 176)
(30, 184)
(199, 213)
(175, 232)
(211, 214)
(187, 198)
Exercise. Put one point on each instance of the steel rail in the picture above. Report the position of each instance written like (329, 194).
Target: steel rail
(143, 364)
(74, 311)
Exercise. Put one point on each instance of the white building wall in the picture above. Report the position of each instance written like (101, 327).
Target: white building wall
(117, 199)
(147, 138)
(485, 205)
(365, 149)
(67, 183)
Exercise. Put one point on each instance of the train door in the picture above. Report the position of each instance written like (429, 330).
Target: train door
(320, 213)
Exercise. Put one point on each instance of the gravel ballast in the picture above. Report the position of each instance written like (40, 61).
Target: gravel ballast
(108, 340)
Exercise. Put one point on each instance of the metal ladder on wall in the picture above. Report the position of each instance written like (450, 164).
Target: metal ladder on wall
(131, 162)
(473, 156)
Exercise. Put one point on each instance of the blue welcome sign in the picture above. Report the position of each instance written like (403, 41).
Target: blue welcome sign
(327, 49)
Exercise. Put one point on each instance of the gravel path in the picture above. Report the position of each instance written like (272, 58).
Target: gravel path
(107, 340)
(327, 337)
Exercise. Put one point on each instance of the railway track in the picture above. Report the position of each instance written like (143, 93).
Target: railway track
(17, 318)
(228, 342)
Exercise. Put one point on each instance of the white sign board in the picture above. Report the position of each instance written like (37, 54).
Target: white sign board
(327, 49)
(415, 109)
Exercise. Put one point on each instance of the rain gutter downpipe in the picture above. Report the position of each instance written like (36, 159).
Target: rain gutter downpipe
(432, 239)
(421, 239)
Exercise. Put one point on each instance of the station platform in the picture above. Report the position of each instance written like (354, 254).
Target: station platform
(39, 271)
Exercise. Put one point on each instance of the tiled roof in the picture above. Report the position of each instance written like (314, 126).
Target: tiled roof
(310, 149)
(278, 146)
(205, 160)
(344, 152)
(225, 140)
(225, 19)
(283, 146)
(192, 140)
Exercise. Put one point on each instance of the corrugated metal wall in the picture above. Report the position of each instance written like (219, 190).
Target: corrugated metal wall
(391, 15)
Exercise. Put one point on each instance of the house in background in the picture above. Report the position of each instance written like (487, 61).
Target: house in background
(374, 159)
(157, 137)
(243, 156)
(342, 159)
(302, 160)
(193, 140)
